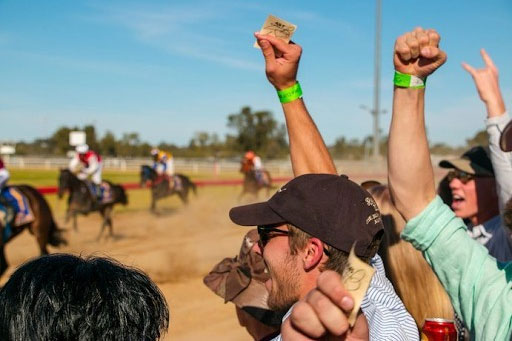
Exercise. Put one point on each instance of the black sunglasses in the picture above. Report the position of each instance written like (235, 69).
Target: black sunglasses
(461, 175)
(267, 232)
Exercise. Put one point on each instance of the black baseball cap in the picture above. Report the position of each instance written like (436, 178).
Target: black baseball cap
(329, 207)
(475, 161)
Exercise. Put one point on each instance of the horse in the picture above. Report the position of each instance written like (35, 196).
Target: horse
(81, 200)
(413, 279)
(43, 226)
(160, 187)
(251, 184)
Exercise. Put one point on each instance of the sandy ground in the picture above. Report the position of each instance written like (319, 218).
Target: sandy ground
(176, 248)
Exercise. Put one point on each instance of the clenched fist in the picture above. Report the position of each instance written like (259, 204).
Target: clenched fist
(281, 60)
(417, 53)
(322, 314)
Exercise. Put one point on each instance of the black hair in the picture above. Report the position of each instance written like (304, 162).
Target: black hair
(65, 297)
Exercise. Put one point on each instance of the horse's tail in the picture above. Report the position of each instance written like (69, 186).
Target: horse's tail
(186, 180)
(123, 198)
(55, 237)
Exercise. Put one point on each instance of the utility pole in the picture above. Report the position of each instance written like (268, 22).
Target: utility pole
(376, 85)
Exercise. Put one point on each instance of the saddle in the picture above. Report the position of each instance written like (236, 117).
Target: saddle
(23, 212)
(105, 192)
(175, 182)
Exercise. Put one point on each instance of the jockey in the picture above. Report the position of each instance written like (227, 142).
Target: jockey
(10, 210)
(256, 165)
(163, 162)
(91, 165)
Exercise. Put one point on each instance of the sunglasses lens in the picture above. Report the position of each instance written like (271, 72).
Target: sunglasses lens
(462, 176)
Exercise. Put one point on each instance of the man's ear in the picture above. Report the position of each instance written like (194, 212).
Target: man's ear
(313, 253)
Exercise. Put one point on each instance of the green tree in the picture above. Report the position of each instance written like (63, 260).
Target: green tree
(481, 138)
(60, 140)
(258, 131)
(90, 137)
(108, 144)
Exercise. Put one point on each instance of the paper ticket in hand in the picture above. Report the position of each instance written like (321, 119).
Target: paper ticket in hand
(356, 279)
(278, 28)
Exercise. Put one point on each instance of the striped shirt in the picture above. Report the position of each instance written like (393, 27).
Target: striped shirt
(386, 314)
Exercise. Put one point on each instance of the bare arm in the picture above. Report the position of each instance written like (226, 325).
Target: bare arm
(488, 87)
(411, 177)
(307, 148)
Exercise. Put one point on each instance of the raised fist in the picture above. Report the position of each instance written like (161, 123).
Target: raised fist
(281, 60)
(417, 53)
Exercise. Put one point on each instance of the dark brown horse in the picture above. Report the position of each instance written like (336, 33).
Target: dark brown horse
(82, 201)
(251, 184)
(160, 187)
(43, 226)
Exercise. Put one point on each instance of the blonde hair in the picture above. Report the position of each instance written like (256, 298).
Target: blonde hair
(413, 279)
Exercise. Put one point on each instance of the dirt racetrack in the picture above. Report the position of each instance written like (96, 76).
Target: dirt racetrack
(176, 248)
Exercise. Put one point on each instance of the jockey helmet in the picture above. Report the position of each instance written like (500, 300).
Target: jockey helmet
(249, 155)
(154, 151)
(82, 148)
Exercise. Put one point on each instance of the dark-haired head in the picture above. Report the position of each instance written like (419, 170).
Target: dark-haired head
(64, 297)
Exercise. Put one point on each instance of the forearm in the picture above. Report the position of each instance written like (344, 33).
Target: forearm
(501, 161)
(307, 148)
(411, 177)
(479, 287)
(495, 105)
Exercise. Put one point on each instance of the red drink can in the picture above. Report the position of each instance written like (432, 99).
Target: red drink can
(436, 329)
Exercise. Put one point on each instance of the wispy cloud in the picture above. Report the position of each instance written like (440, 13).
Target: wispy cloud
(178, 30)
(101, 66)
(340, 26)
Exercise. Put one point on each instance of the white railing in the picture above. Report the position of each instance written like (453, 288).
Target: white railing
(205, 165)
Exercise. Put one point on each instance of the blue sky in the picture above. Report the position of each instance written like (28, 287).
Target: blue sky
(167, 69)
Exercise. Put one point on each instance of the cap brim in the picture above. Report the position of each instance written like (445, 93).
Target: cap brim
(506, 138)
(460, 164)
(255, 214)
(465, 165)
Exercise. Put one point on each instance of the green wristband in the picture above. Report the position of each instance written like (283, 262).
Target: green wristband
(290, 94)
(403, 80)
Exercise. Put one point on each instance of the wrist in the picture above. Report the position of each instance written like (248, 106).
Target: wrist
(290, 94)
(404, 80)
(285, 85)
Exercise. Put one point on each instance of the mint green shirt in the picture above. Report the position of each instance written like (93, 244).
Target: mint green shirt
(480, 288)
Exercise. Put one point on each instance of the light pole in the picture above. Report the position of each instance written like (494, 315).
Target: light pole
(376, 84)
(376, 133)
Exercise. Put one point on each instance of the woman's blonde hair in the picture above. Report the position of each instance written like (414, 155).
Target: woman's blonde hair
(413, 279)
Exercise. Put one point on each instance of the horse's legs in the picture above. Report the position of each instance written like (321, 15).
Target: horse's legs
(184, 196)
(109, 220)
(3, 261)
(103, 224)
(75, 223)
(106, 213)
(153, 202)
(240, 196)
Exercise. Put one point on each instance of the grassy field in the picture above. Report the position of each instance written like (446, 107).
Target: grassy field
(48, 177)
(138, 199)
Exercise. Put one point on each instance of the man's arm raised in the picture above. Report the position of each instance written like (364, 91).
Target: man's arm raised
(411, 177)
(307, 148)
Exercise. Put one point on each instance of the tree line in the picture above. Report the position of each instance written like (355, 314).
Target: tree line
(248, 130)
